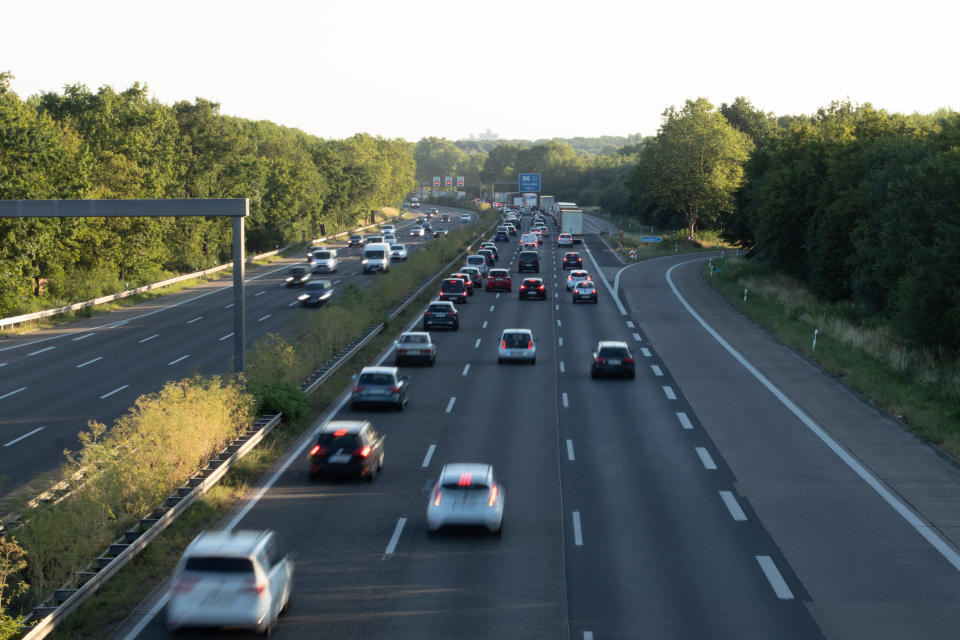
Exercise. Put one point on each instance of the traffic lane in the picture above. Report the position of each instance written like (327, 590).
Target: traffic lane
(866, 569)
(631, 462)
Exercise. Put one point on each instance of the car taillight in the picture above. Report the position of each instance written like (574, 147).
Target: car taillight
(436, 499)
(503, 344)
(529, 344)
(318, 450)
(359, 388)
(598, 360)
(628, 360)
(363, 453)
(542, 287)
(258, 589)
(394, 389)
(494, 490)
(427, 313)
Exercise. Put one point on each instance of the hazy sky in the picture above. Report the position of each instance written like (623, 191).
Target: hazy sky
(522, 68)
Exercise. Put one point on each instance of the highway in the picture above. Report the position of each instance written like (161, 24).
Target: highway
(54, 381)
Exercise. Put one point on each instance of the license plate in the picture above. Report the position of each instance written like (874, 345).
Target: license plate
(613, 362)
(339, 458)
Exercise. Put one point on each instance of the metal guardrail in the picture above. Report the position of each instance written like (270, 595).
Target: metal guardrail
(69, 597)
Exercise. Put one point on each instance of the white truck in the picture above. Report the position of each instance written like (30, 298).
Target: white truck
(546, 204)
(571, 221)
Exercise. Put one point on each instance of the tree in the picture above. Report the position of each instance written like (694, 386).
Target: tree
(694, 165)
(437, 157)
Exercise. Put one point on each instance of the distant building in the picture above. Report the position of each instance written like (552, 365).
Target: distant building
(488, 135)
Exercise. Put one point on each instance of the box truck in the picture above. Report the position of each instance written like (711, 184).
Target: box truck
(571, 221)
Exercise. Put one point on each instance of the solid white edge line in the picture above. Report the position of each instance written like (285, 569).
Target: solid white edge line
(450, 404)
(705, 458)
(925, 530)
(24, 436)
(684, 420)
(396, 536)
(570, 455)
(577, 532)
(426, 459)
(7, 395)
(466, 368)
(775, 578)
(736, 512)
(668, 391)
(150, 615)
(616, 281)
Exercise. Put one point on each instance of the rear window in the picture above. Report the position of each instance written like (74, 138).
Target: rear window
(321, 255)
(614, 352)
(499, 273)
(452, 285)
(219, 564)
(347, 440)
(528, 256)
(413, 339)
(375, 378)
(516, 340)
(439, 307)
(475, 260)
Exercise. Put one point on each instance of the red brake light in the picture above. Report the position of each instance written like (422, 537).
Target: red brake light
(529, 344)
(317, 449)
(359, 388)
(598, 360)
(542, 287)
(628, 360)
(503, 344)
(363, 453)
(339, 432)
(466, 479)
(493, 494)
(394, 389)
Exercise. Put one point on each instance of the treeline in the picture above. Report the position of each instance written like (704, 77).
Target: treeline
(856, 203)
(105, 144)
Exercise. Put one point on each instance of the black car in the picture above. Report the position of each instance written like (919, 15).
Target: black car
(454, 289)
(488, 254)
(572, 260)
(297, 276)
(444, 217)
(528, 261)
(533, 288)
(427, 226)
(316, 293)
(356, 240)
(441, 313)
(612, 358)
(347, 447)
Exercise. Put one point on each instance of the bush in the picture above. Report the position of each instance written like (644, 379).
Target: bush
(283, 397)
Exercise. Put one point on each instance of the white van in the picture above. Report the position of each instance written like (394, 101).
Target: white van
(376, 257)
(478, 261)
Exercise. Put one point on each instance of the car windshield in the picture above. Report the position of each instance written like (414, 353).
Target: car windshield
(298, 271)
(516, 340)
(376, 378)
(585, 285)
(219, 564)
(452, 285)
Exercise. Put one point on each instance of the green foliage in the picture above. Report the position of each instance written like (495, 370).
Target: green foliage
(12, 585)
(283, 396)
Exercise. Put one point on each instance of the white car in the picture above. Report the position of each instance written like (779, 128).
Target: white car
(416, 231)
(517, 345)
(398, 252)
(323, 261)
(231, 579)
(576, 276)
(388, 228)
(390, 238)
(465, 494)
(564, 240)
(478, 261)
(464, 217)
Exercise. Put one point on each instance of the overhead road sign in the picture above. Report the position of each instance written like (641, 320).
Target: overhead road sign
(529, 182)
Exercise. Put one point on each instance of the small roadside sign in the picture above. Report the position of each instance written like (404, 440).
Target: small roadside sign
(650, 239)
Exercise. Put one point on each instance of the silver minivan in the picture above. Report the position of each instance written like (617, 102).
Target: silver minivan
(324, 261)
(478, 261)
(376, 257)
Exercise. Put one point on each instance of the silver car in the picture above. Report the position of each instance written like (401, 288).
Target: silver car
(415, 346)
(398, 252)
(380, 386)
(466, 493)
(324, 261)
(517, 345)
(231, 579)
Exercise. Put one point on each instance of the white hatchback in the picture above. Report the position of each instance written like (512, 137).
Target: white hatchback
(564, 240)
(465, 494)
(517, 345)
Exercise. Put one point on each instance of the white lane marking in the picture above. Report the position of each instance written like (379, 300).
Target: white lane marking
(560, 341)
(7, 395)
(616, 281)
(492, 307)
(44, 350)
(264, 317)
(117, 390)
(925, 530)
(498, 295)
(558, 323)
(396, 536)
(294, 303)
(566, 401)
(180, 359)
(645, 352)
(426, 459)
(89, 362)
(558, 307)
(637, 337)
(570, 456)
(148, 339)
(705, 458)
(630, 324)
(733, 506)
(476, 344)
(337, 281)
(684, 420)
(229, 335)
(450, 404)
(198, 318)
(561, 367)
(588, 635)
(83, 337)
(228, 306)
(259, 293)
(656, 370)
(484, 324)
(466, 368)
(3, 364)
(668, 391)
(577, 533)
(24, 436)
(556, 295)
(773, 576)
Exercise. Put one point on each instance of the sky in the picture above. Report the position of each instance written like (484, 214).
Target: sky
(525, 69)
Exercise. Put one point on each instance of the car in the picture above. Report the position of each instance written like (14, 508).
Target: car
(420, 219)
(466, 494)
(572, 260)
(517, 345)
(316, 293)
(441, 313)
(544, 231)
(478, 261)
(440, 233)
(415, 203)
(297, 276)
(390, 238)
(398, 252)
(373, 238)
(490, 257)
(464, 217)
(414, 346)
(499, 279)
(323, 261)
(585, 290)
(376, 257)
(434, 212)
(533, 288)
(231, 578)
(416, 230)
(502, 236)
(529, 238)
(454, 289)
(466, 279)
(577, 275)
(379, 386)
(530, 246)
(388, 228)
(528, 261)
(444, 217)
(612, 358)
(564, 240)
(492, 247)
(475, 276)
(347, 447)
(427, 226)
(513, 229)
(356, 240)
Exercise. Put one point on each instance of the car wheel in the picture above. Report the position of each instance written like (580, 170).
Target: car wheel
(456, 326)
(499, 360)
(594, 301)
(593, 373)
(433, 361)
(533, 361)
(426, 327)
(633, 374)
(372, 475)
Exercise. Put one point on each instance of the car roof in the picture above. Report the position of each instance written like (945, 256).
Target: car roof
(516, 330)
(416, 333)
(443, 302)
(453, 471)
(392, 370)
(578, 272)
(350, 426)
(612, 343)
(534, 279)
(236, 542)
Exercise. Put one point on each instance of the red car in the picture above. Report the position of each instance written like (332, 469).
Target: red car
(572, 260)
(499, 279)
